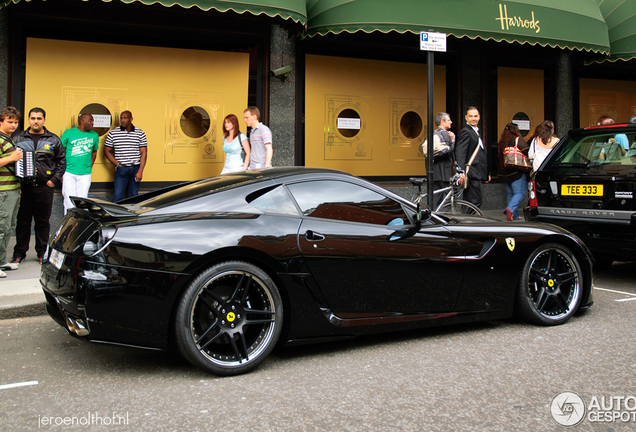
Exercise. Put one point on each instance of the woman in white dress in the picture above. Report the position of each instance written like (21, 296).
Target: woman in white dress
(233, 142)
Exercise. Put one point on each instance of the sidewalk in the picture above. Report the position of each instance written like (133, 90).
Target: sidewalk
(20, 292)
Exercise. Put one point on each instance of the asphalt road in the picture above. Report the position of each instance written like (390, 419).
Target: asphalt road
(494, 376)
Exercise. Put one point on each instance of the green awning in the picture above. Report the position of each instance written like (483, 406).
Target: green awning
(573, 24)
(286, 9)
(620, 17)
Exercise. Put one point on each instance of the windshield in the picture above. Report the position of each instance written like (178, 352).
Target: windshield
(604, 151)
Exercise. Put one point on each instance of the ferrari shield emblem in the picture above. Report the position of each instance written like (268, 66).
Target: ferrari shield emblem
(511, 243)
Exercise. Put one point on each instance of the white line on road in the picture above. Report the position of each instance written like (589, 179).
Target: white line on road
(626, 299)
(21, 384)
(633, 296)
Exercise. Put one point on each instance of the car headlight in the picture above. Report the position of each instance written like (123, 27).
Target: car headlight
(99, 240)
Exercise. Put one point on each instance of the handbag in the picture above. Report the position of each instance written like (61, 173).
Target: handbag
(515, 159)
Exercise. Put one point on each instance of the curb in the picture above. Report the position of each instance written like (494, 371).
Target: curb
(22, 306)
(22, 310)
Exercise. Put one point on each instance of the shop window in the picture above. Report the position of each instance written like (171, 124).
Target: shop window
(522, 121)
(195, 122)
(349, 123)
(102, 117)
(411, 125)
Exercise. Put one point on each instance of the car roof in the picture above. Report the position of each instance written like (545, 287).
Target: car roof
(614, 127)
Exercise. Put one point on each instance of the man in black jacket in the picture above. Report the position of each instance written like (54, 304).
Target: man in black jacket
(468, 140)
(36, 200)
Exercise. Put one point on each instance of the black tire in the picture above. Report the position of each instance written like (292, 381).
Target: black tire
(551, 285)
(461, 207)
(229, 318)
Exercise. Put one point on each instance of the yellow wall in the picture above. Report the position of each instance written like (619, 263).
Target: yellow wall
(156, 84)
(520, 90)
(382, 93)
(598, 97)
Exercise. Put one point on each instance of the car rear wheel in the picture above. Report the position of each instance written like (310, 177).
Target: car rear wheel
(551, 285)
(229, 318)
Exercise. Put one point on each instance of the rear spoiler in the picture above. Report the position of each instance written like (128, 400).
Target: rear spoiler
(94, 204)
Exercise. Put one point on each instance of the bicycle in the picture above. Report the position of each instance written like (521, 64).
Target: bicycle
(452, 202)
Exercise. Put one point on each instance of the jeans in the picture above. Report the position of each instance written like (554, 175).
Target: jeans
(8, 216)
(74, 185)
(125, 176)
(515, 192)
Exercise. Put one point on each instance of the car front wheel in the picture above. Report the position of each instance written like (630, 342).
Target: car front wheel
(229, 318)
(551, 285)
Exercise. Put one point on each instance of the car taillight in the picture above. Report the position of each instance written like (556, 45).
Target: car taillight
(532, 194)
(99, 240)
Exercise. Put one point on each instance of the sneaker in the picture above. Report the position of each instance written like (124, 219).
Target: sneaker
(11, 265)
(2, 274)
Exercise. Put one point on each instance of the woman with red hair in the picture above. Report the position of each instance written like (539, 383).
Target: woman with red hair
(233, 142)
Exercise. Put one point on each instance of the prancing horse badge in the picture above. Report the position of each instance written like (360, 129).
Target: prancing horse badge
(511, 243)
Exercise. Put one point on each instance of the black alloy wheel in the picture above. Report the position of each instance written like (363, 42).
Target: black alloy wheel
(551, 285)
(229, 318)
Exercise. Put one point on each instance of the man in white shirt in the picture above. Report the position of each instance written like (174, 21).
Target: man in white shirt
(260, 140)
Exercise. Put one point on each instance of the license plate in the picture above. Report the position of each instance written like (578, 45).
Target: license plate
(57, 258)
(582, 190)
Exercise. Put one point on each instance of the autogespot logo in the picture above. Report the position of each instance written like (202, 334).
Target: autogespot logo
(567, 409)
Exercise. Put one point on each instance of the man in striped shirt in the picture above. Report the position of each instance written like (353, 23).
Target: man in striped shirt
(9, 184)
(126, 147)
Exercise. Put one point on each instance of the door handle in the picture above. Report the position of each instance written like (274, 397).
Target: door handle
(314, 236)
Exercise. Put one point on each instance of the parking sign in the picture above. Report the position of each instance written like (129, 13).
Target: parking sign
(432, 41)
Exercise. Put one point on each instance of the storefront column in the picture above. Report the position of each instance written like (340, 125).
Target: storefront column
(471, 79)
(565, 95)
(4, 57)
(282, 97)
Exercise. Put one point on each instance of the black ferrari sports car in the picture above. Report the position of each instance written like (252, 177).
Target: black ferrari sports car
(227, 267)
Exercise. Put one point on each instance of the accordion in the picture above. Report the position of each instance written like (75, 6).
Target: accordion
(25, 167)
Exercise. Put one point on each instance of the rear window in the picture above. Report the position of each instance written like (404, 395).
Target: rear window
(604, 152)
(195, 190)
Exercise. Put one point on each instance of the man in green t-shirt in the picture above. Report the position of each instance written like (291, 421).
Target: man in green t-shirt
(9, 184)
(81, 144)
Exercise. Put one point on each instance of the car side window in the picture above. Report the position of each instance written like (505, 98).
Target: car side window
(275, 200)
(343, 201)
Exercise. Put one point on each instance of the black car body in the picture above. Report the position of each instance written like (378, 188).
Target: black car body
(229, 266)
(587, 185)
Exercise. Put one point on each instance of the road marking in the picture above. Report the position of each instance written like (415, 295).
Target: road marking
(21, 384)
(632, 296)
(626, 299)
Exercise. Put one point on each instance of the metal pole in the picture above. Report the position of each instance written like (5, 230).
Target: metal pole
(431, 126)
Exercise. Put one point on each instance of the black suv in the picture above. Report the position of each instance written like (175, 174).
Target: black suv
(587, 185)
